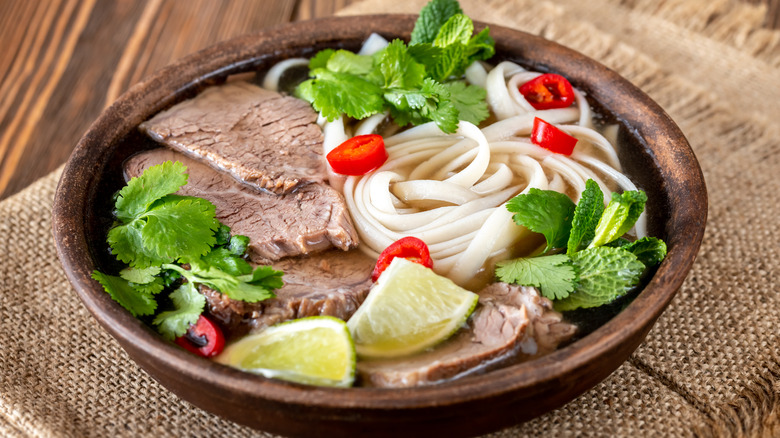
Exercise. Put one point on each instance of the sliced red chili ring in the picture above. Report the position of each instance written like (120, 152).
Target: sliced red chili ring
(203, 338)
(410, 248)
(548, 91)
(358, 155)
(551, 138)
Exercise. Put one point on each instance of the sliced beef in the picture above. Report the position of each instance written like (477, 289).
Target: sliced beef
(313, 218)
(263, 138)
(331, 283)
(509, 322)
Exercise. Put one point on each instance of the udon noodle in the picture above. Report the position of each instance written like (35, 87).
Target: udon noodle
(450, 190)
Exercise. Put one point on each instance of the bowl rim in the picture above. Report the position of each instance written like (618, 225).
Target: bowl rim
(76, 187)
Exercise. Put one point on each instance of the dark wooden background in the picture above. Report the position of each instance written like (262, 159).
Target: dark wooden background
(63, 61)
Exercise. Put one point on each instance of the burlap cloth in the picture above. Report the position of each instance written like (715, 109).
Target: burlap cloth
(710, 366)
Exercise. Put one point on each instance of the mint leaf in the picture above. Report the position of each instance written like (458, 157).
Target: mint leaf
(333, 93)
(188, 304)
(481, 47)
(469, 101)
(456, 30)
(649, 250)
(544, 211)
(586, 217)
(619, 216)
(604, 274)
(136, 302)
(179, 227)
(141, 192)
(432, 17)
(554, 275)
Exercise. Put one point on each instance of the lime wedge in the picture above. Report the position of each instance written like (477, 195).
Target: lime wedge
(409, 309)
(317, 351)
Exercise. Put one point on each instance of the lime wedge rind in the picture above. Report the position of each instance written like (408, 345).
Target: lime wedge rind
(316, 350)
(409, 309)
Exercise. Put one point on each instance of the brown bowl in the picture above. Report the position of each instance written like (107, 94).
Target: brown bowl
(655, 153)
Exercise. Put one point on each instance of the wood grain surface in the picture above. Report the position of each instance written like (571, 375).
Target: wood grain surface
(63, 61)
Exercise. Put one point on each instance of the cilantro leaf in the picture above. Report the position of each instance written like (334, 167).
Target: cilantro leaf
(320, 60)
(127, 245)
(265, 276)
(142, 191)
(140, 276)
(398, 69)
(619, 216)
(432, 17)
(188, 304)
(546, 212)
(136, 302)
(153, 287)
(586, 217)
(225, 260)
(469, 101)
(238, 244)
(179, 227)
(554, 275)
(332, 93)
(604, 274)
(222, 236)
(649, 250)
(344, 61)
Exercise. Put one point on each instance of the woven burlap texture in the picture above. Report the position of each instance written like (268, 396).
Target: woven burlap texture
(710, 366)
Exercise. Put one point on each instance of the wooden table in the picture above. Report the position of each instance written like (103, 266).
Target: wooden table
(63, 61)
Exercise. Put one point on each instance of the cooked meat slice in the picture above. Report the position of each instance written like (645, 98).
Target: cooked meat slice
(509, 318)
(331, 283)
(313, 218)
(261, 137)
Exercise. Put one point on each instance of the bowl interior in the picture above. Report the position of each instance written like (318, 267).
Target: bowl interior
(654, 154)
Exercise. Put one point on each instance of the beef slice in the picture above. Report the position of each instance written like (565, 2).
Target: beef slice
(313, 218)
(264, 139)
(510, 323)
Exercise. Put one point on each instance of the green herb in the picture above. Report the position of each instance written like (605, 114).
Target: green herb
(417, 83)
(619, 216)
(544, 211)
(599, 265)
(586, 217)
(156, 232)
(554, 274)
(603, 274)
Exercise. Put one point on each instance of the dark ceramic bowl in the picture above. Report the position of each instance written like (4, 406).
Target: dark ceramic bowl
(654, 152)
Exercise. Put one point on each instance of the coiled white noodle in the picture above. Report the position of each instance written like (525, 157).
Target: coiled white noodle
(450, 190)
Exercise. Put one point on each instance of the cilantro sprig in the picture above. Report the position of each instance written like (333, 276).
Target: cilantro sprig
(417, 83)
(598, 265)
(157, 234)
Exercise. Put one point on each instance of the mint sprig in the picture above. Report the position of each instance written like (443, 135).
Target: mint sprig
(599, 265)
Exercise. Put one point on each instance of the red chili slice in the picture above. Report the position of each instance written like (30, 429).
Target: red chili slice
(358, 155)
(203, 338)
(548, 91)
(410, 248)
(551, 138)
